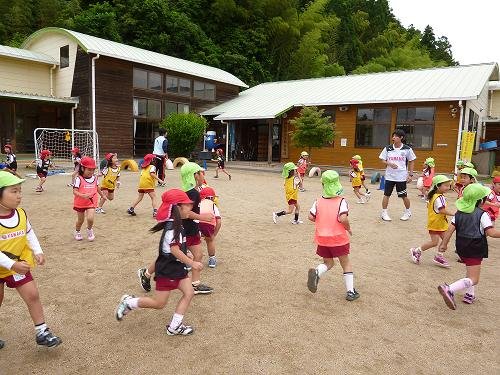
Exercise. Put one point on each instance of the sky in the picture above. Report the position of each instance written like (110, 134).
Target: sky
(472, 27)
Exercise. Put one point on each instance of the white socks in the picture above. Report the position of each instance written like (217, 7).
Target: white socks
(321, 269)
(176, 320)
(349, 281)
(133, 303)
(461, 284)
(40, 328)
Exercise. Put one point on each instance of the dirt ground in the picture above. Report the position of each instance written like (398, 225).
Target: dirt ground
(261, 318)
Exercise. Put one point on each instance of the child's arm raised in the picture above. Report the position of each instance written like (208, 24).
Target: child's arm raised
(176, 252)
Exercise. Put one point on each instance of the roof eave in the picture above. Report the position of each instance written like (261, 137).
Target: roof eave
(52, 99)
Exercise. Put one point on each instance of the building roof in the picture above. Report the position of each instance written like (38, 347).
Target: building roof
(42, 98)
(92, 44)
(494, 85)
(269, 100)
(24, 54)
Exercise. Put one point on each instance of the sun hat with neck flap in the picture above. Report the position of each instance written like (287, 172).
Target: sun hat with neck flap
(287, 168)
(471, 194)
(439, 179)
(168, 199)
(8, 179)
(331, 184)
(187, 175)
(470, 171)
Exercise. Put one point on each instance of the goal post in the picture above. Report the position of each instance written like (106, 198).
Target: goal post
(61, 141)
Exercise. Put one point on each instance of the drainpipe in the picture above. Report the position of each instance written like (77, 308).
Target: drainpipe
(52, 79)
(460, 129)
(96, 152)
(73, 125)
(227, 138)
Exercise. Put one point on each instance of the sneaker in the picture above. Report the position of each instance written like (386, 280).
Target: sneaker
(406, 216)
(144, 280)
(47, 338)
(122, 309)
(312, 280)
(78, 236)
(38, 189)
(415, 255)
(202, 289)
(2, 344)
(385, 216)
(275, 217)
(99, 210)
(360, 201)
(367, 196)
(155, 211)
(131, 212)
(448, 296)
(297, 222)
(368, 192)
(180, 330)
(212, 262)
(468, 298)
(302, 190)
(351, 295)
(216, 176)
(90, 234)
(441, 261)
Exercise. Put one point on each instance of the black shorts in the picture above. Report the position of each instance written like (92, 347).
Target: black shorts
(400, 188)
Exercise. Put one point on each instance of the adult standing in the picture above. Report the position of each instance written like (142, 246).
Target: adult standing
(160, 150)
(399, 159)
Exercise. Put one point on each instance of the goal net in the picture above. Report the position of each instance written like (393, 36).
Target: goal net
(60, 142)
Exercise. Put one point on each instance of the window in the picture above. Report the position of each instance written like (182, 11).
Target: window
(171, 107)
(154, 81)
(172, 84)
(418, 124)
(147, 108)
(64, 57)
(373, 126)
(147, 80)
(204, 91)
(184, 87)
(140, 79)
(473, 121)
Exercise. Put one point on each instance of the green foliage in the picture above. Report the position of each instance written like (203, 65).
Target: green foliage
(312, 129)
(185, 131)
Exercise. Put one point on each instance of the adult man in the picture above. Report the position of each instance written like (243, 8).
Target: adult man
(399, 159)
(160, 151)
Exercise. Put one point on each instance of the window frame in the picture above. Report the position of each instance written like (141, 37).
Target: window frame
(405, 124)
(204, 96)
(373, 122)
(64, 60)
(165, 102)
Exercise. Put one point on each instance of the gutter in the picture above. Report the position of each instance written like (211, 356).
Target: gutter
(73, 125)
(52, 79)
(94, 127)
(460, 129)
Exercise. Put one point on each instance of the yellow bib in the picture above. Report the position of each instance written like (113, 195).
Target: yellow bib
(437, 222)
(146, 181)
(14, 243)
(109, 180)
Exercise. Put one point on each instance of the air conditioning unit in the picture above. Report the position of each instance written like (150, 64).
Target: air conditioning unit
(343, 108)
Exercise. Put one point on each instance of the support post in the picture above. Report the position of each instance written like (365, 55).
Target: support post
(270, 141)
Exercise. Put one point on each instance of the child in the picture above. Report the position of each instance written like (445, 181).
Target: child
(302, 165)
(437, 223)
(472, 225)
(170, 265)
(466, 177)
(110, 181)
(356, 180)
(147, 181)
(427, 175)
(492, 203)
(332, 228)
(19, 251)
(209, 229)
(77, 157)
(460, 165)
(85, 191)
(11, 161)
(291, 193)
(361, 169)
(220, 164)
(42, 168)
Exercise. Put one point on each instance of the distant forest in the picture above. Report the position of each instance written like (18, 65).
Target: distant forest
(256, 40)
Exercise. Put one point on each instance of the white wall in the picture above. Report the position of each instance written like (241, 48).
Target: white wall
(479, 106)
(27, 77)
(495, 103)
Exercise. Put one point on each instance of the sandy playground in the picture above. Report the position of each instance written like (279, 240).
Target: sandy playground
(261, 318)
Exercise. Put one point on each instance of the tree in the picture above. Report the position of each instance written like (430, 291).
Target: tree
(185, 131)
(312, 129)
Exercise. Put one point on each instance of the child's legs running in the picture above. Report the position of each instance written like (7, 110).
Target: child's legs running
(356, 192)
(80, 218)
(345, 263)
(152, 195)
(473, 273)
(432, 243)
(187, 295)
(210, 245)
(137, 200)
(42, 181)
(158, 301)
(151, 268)
(329, 262)
(197, 257)
(29, 293)
(90, 218)
(226, 172)
(110, 195)
(2, 286)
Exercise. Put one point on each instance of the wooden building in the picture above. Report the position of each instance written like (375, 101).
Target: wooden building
(434, 106)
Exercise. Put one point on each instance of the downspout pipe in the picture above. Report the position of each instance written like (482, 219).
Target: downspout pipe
(94, 127)
(460, 129)
(227, 138)
(52, 79)
(75, 107)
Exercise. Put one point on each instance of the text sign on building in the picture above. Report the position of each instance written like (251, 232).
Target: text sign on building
(468, 139)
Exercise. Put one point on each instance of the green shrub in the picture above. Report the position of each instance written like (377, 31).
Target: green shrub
(185, 131)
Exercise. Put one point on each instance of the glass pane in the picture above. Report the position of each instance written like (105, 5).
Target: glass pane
(382, 115)
(372, 135)
(154, 81)
(170, 108)
(154, 109)
(418, 136)
(140, 79)
(209, 91)
(183, 108)
(424, 114)
(199, 90)
(365, 114)
(184, 87)
(142, 105)
(172, 84)
(402, 115)
(64, 57)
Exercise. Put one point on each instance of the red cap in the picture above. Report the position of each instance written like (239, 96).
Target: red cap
(88, 162)
(354, 162)
(109, 155)
(168, 199)
(148, 158)
(75, 150)
(9, 146)
(207, 192)
(45, 153)
(496, 179)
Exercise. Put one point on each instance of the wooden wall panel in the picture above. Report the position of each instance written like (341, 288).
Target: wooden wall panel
(81, 89)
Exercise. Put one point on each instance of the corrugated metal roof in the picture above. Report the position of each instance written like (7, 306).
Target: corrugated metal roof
(24, 54)
(92, 44)
(268, 100)
(43, 98)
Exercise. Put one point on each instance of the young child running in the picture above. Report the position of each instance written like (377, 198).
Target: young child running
(472, 225)
(329, 212)
(209, 229)
(42, 169)
(220, 164)
(492, 203)
(19, 251)
(356, 181)
(466, 177)
(147, 181)
(427, 176)
(77, 157)
(437, 223)
(302, 165)
(170, 267)
(85, 191)
(110, 181)
(362, 170)
(291, 194)
(11, 160)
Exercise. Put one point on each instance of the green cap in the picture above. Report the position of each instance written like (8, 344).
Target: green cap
(8, 179)
(471, 194)
(356, 157)
(187, 175)
(439, 179)
(470, 171)
(468, 164)
(287, 168)
(331, 184)
(460, 163)
(430, 162)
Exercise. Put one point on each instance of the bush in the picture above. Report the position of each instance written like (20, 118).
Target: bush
(185, 131)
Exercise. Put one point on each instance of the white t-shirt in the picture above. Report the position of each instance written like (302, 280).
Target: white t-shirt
(158, 145)
(343, 209)
(399, 156)
(76, 182)
(485, 222)
(439, 203)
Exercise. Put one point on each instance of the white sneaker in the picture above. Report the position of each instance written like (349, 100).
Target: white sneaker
(385, 216)
(406, 216)
(275, 217)
(297, 222)
(360, 201)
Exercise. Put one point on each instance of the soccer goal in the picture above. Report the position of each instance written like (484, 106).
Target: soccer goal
(61, 141)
